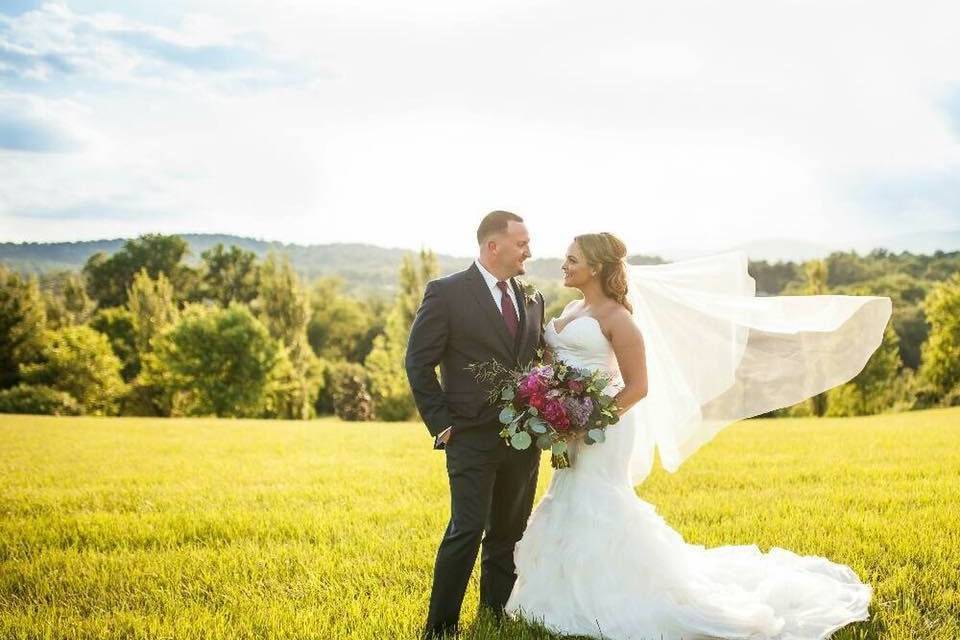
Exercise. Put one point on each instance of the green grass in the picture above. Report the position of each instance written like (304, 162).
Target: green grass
(183, 529)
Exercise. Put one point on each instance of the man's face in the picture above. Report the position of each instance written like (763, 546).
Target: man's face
(512, 248)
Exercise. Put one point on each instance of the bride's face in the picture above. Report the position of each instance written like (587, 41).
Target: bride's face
(576, 271)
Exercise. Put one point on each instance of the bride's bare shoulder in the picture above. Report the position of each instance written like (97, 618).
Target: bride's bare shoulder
(571, 307)
(615, 318)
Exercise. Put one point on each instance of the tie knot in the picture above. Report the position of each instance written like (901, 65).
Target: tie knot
(502, 285)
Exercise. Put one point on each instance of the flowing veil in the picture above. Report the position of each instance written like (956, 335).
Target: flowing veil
(716, 353)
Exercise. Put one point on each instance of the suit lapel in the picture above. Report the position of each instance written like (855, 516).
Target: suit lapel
(522, 310)
(478, 286)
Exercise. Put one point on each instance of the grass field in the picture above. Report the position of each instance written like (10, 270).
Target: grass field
(203, 528)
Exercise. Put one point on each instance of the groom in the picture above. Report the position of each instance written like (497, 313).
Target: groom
(475, 315)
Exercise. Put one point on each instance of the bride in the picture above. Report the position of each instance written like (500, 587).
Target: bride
(690, 349)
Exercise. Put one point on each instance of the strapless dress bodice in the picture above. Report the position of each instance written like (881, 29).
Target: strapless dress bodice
(581, 344)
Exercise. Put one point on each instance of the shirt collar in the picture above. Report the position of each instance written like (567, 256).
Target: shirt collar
(490, 279)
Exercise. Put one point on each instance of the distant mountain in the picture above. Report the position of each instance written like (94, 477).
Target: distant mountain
(372, 269)
(363, 267)
(39, 257)
(919, 242)
(785, 249)
(771, 250)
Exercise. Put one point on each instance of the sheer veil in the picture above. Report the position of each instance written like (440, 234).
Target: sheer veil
(716, 353)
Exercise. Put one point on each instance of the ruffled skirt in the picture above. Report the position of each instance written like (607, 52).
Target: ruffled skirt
(598, 561)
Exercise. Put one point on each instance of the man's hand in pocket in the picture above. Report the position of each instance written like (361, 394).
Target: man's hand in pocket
(443, 438)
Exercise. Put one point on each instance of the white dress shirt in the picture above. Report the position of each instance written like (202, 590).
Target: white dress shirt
(491, 281)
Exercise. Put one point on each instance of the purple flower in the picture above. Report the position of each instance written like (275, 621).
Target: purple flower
(578, 409)
(545, 371)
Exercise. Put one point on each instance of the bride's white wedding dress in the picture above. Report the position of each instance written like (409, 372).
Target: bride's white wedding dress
(598, 561)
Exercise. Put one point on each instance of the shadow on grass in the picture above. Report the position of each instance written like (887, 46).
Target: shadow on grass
(487, 627)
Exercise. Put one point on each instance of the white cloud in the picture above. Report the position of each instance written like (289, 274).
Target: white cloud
(689, 123)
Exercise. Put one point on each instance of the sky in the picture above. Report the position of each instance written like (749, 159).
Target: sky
(685, 124)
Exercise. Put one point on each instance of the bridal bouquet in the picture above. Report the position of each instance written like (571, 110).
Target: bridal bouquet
(549, 405)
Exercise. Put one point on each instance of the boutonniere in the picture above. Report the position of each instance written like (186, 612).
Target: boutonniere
(529, 291)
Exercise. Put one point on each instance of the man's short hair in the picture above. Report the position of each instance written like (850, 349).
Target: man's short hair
(495, 222)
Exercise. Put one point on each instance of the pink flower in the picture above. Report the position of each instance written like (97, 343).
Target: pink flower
(554, 413)
(538, 400)
(576, 386)
(532, 384)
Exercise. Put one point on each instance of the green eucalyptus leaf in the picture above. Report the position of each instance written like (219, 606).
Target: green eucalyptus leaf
(559, 448)
(507, 394)
(507, 415)
(521, 440)
(597, 435)
(537, 425)
(544, 442)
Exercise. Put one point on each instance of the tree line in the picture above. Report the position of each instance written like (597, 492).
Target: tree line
(141, 332)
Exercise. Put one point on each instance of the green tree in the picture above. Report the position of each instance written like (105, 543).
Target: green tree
(876, 388)
(555, 308)
(911, 324)
(118, 324)
(153, 310)
(78, 304)
(817, 278)
(282, 304)
(38, 399)
(23, 322)
(339, 324)
(846, 267)
(229, 275)
(388, 381)
(67, 302)
(214, 361)
(153, 307)
(350, 396)
(771, 279)
(907, 293)
(284, 308)
(940, 368)
(110, 277)
(79, 361)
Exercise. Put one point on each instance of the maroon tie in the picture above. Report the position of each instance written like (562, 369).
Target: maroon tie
(508, 310)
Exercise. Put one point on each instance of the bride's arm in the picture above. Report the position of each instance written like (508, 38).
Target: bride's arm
(631, 357)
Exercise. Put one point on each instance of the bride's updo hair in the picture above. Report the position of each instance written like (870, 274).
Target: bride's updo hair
(607, 253)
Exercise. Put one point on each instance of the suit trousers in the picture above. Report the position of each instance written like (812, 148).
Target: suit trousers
(492, 487)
